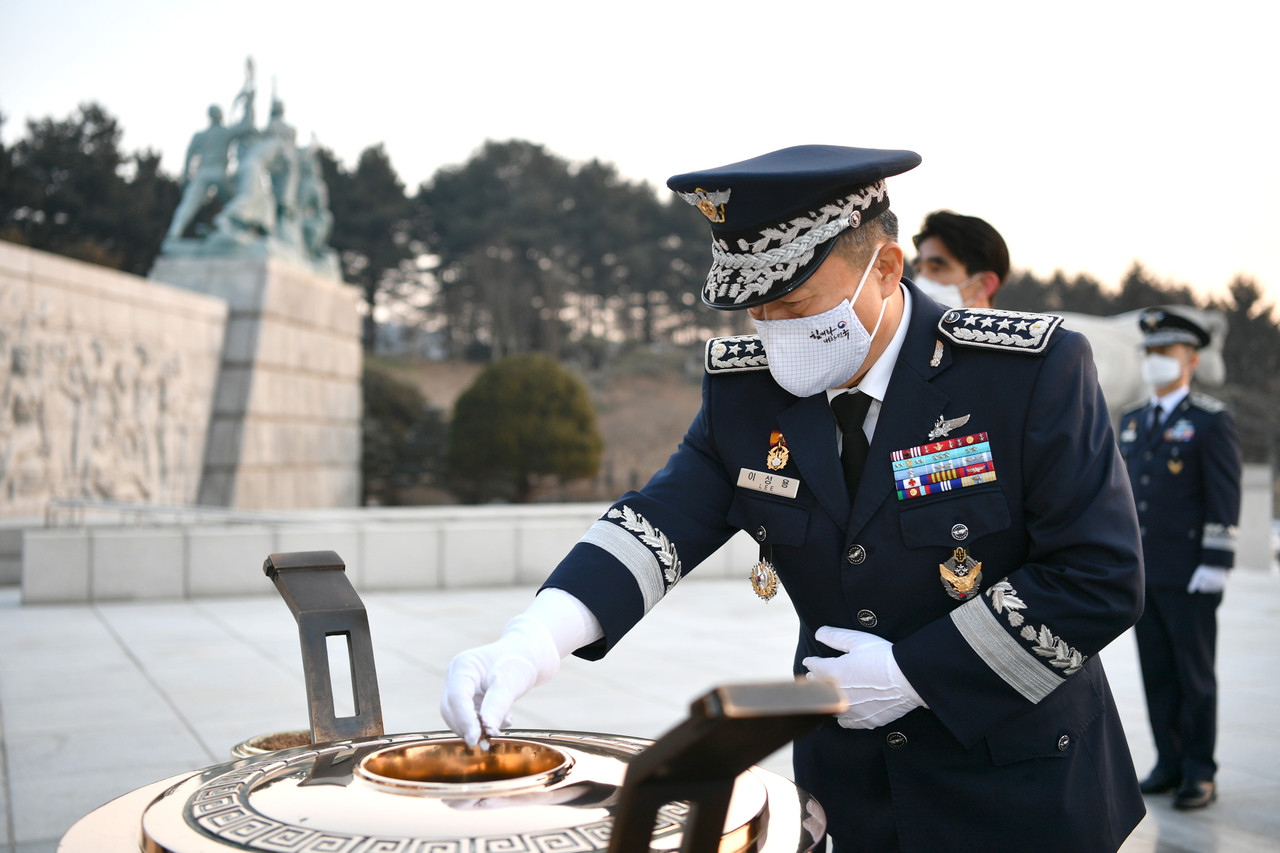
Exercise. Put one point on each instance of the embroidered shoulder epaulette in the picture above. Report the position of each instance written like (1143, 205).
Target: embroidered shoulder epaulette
(1212, 405)
(737, 353)
(992, 328)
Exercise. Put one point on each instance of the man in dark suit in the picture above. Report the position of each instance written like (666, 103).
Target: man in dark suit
(938, 490)
(1183, 456)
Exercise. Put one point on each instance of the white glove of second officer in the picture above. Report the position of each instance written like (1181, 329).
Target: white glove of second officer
(1208, 579)
(877, 691)
(483, 683)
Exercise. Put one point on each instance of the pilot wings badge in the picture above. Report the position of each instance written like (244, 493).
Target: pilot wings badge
(942, 428)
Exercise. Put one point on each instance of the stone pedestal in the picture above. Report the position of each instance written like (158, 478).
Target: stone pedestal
(285, 429)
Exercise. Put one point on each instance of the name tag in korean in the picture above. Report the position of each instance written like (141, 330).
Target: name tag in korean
(763, 481)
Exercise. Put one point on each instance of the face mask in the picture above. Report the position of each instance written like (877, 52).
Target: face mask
(812, 354)
(1161, 370)
(946, 295)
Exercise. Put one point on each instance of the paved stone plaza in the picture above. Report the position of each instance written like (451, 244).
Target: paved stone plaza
(97, 700)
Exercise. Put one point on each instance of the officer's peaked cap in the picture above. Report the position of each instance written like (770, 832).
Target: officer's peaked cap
(1171, 324)
(774, 218)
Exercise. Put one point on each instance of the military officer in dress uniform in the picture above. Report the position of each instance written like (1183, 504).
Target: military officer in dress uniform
(1183, 456)
(938, 490)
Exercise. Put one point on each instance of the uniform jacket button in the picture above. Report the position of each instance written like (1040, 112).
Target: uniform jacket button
(867, 618)
(1142, 506)
(960, 532)
(760, 533)
(857, 554)
(896, 740)
(1064, 742)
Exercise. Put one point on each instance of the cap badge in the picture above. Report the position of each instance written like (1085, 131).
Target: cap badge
(961, 576)
(1151, 320)
(943, 428)
(710, 203)
(778, 455)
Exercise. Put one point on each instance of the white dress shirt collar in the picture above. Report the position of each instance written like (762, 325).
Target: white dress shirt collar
(876, 381)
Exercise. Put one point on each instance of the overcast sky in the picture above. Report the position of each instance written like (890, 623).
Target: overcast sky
(1090, 134)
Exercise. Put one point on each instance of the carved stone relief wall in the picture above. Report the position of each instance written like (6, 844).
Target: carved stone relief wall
(106, 383)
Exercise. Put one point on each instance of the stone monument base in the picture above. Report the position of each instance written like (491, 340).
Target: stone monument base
(285, 428)
(220, 246)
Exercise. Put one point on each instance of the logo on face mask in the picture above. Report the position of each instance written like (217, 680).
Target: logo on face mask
(831, 334)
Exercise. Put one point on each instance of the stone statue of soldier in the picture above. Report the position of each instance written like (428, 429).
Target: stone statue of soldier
(313, 203)
(272, 195)
(266, 188)
(208, 152)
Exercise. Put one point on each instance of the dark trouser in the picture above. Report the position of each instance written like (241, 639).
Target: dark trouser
(1177, 637)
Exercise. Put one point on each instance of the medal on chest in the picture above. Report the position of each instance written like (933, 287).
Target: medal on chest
(778, 454)
(961, 576)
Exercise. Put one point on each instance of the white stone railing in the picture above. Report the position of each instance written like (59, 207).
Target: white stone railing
(384, 548)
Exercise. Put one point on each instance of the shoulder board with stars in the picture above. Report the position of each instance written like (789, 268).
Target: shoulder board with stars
(735, 353)
(1212, 405)
(992, 328)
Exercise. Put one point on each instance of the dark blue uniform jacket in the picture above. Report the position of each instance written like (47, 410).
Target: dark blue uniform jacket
(1186, 482)
(1021, 746)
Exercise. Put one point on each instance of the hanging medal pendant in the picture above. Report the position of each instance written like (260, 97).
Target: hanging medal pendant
(764, 578)
(778, 454)
(961, 576)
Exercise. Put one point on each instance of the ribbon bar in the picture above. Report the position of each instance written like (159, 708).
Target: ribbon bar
(945, 486)
(938, 446)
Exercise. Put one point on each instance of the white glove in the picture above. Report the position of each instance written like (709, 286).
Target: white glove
(1208, 579)
(484, 683)
(877, 691)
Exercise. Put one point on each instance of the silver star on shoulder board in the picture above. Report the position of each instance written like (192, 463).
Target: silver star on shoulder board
(942, 428)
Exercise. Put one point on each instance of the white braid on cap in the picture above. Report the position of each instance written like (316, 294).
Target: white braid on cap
(762, 266)
(789, 251)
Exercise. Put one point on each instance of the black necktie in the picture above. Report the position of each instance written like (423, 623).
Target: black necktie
(1157, 417)
(850, 410)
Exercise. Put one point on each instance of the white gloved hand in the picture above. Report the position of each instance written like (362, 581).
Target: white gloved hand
(1208, 579)
(877, 691)
(484, 683)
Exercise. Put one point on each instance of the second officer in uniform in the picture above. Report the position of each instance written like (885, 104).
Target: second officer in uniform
(1183, 456)
(938, 490)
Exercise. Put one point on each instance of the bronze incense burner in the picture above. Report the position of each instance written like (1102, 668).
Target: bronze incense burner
(354, 789)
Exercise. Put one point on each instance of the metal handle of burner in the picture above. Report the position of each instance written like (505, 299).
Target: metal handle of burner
(315, 586)
(727, 731)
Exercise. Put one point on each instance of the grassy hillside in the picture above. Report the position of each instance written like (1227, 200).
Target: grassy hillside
(644, 403)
